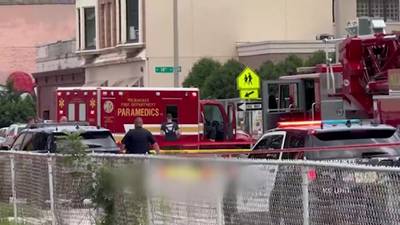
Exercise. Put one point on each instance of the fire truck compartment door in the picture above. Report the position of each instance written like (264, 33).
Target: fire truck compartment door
(282, 100)
(332, 109)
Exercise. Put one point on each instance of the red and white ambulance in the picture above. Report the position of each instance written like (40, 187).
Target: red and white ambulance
(115, 108)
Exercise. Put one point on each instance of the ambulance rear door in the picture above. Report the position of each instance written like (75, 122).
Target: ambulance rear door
(184, 109)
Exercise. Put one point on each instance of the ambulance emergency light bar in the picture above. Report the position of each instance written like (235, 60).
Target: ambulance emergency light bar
(318, 123)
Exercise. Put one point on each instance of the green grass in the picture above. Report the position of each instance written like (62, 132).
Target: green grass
(6, 223)
(6, 211)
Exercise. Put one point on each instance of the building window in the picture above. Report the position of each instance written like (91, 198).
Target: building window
(132, 20)
(82, 112)
(386, 9)
(71, 112)
(46, 115)
(107, 24)
(90, 28)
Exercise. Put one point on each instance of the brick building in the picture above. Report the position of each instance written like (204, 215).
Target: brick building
(26, 24)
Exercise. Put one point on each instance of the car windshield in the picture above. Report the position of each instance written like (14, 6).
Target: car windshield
(357, 137)
(93, 140)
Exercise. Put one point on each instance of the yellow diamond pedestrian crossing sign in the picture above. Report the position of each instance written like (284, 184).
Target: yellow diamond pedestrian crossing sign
(248, 79)
(248, 84)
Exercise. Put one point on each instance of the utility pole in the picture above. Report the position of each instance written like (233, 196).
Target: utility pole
(176, 44)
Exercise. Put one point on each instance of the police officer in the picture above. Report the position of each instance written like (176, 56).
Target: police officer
(139, 140)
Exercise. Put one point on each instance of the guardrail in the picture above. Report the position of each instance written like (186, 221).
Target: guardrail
(134, 189)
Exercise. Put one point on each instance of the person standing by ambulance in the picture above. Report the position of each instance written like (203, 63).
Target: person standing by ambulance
(170, 129)
(139, 140)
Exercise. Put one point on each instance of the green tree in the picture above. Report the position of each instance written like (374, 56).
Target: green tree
(317, 58)
(201, 70)
(290, 65)
(271, 71)
(221, 84)
(15, 108)
(268, 71)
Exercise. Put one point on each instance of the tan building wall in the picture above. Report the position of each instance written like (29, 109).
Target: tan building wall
(114, 73)
(345, 11)
(212, 28)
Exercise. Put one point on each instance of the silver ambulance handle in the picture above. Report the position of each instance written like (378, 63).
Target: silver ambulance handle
(333, 78)
(289, 109)
(313, 110)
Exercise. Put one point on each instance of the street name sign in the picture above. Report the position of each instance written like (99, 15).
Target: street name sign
(249, 106)
(166, 69)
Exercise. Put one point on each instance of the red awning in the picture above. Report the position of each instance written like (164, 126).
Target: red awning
(22, 82)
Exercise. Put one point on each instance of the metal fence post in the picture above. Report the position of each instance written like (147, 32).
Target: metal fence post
(148, 194)
(51, 189)
(306, 209)
(220, 212)
(13, 188)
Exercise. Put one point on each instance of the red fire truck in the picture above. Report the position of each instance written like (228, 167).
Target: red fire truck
(364, 85)
(115, 109)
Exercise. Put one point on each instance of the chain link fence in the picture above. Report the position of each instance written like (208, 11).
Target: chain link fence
(122, 189)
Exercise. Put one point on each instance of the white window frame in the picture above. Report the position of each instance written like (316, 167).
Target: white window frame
(124, 27)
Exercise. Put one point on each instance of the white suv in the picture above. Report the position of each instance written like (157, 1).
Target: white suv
(12, 133)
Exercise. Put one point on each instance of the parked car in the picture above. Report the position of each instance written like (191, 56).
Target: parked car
(3, 135)
(330, 134)
(327, 187)
(3, 131)
(12, 133)
(49, 138)
(2, 140)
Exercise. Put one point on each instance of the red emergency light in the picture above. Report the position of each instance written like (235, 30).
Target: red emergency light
(299, 124)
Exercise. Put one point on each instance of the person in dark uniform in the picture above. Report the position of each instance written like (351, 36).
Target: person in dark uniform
(139, 140)
(170, 129)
